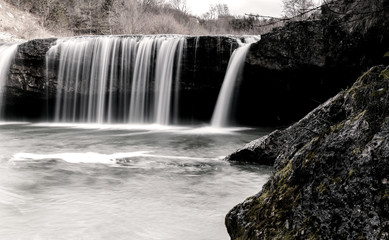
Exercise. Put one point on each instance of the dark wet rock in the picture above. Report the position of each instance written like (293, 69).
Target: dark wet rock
(295, 68)
(205, 62)
(28, 72)
(29, 92)
(332, 171)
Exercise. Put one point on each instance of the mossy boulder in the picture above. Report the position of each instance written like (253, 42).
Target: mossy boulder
(332, 171)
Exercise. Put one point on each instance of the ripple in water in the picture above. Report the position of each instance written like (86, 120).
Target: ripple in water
(62, 182)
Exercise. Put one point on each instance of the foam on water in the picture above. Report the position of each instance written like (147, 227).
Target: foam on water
(13, 123)
(151, 127)
(203, 130)
(214, 130)
(10, 198)
(93, 158)
(88, 157)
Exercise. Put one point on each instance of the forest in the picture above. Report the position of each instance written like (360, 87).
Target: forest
(115, 17)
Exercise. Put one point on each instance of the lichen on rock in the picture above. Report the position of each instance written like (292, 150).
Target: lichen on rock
(331, 171)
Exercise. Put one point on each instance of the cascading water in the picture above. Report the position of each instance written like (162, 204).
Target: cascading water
(7, 54)
(110, 79)
(141, 80)
(164, 78)
(222, 112)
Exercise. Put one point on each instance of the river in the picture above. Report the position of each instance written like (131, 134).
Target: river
(85, 181)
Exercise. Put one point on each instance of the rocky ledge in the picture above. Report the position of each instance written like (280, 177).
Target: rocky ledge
(331, 171)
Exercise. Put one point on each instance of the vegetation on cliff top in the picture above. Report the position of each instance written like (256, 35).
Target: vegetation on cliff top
(101, 17)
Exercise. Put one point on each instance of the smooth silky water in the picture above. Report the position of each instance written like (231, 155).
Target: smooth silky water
(74, 181)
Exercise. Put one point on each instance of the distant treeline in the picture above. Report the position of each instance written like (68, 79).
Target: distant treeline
(102, 17)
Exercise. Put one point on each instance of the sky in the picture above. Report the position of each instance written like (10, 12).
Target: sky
(239, 7)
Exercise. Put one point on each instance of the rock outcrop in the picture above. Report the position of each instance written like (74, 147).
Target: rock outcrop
(331, 171)
(299, 66)
(28, 92)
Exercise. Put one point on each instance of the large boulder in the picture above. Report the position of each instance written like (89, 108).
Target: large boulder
(332, 171)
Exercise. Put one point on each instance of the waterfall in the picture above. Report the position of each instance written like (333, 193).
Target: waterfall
(164, 78)
(222, 111)
(7, 54)
(141, 81)
(110, 79)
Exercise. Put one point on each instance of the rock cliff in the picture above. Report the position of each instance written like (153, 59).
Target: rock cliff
(31, 90)
(299, 66)
(288, 73)
(331, 171)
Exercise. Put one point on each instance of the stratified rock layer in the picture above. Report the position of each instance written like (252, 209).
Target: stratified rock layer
(332, 171)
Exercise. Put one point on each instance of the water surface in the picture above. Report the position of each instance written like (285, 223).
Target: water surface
(121, 182)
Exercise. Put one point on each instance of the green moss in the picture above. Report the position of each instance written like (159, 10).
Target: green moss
(264, 195)
(338, 127)
(336, 180)
(351, 91)
(270, 216)
(286, 170)
(378, 93)
(310, 156)
(383, 195)
(314, 140)
(321, 188)
(358, 116)
(361, 237)
(289, 235)
(357, 151)
(350, 173)
(364, 77)
(384, 74)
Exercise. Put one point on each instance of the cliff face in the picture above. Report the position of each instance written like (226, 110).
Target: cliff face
(27, 92)
(204, 63)
(28, 72)
(31, 90)
(302, 64)
(332, 171)
(287, 74)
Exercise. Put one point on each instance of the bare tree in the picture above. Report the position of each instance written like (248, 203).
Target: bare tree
(216, 11)
(179, 5)
(128, 16)
(292, 8)
(151, 5)
(222, 9)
